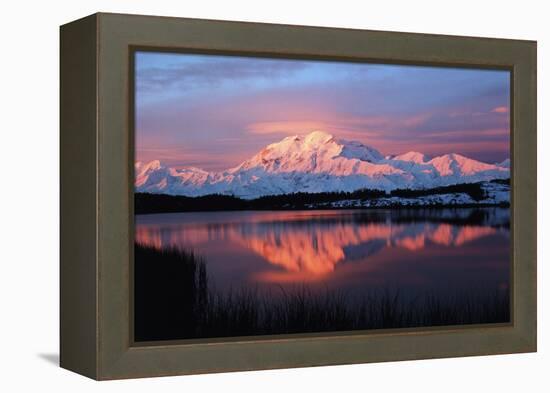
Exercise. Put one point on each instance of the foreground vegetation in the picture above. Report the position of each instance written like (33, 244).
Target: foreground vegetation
(174, 300)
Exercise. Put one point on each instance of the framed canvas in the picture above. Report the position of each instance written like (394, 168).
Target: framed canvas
(242, 196)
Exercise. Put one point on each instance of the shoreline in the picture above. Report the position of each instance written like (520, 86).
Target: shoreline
(470, 195)
(320, 208)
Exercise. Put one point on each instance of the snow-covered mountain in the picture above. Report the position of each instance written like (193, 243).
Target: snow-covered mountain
(317, 162)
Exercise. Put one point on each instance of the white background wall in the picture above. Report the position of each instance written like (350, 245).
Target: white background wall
(29, 194)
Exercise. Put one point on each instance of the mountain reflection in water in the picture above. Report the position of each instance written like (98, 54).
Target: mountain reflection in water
(350, 249)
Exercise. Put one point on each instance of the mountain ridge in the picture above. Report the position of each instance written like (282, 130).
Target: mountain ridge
(317, 162)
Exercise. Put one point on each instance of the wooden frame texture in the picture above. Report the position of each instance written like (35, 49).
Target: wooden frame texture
(97, 196)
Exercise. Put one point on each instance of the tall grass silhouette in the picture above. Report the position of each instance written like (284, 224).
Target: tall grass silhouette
(174, 300)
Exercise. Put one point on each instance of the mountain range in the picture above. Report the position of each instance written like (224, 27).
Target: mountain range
(318, 162)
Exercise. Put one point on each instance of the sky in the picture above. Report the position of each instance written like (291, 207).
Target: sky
(213, 111)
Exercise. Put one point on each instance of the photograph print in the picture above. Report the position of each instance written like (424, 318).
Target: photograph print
(287, 196)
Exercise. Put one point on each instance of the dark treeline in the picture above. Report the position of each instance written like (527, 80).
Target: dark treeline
(501, 181)
(145, 203)
(460, 216)
(175, 300)
(474, 190)
(163, 203)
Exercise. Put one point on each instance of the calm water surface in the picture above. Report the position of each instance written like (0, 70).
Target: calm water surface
(441, 251)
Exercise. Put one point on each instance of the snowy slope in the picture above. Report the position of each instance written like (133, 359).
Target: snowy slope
(317, 162)
(495, 194)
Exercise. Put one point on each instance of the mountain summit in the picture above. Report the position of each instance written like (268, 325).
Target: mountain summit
(317, 162)
(317, 152)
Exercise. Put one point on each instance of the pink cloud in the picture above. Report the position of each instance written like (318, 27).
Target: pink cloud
(500, 109)
(471, 133)
(334, 122)
(358, 127)
(286, 127)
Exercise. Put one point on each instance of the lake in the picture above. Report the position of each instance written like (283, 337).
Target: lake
(443, 252)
